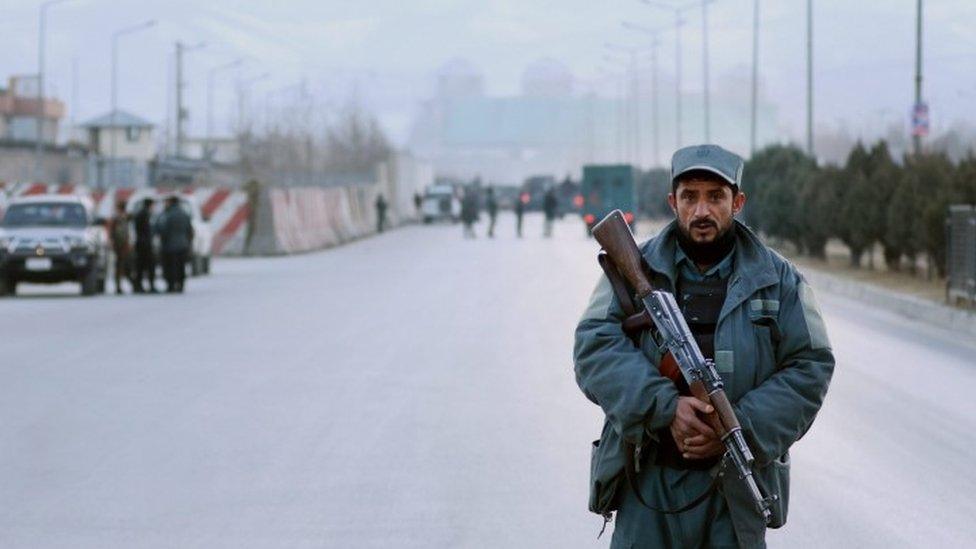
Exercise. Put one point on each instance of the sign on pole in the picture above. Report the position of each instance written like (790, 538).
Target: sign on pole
(920, 120)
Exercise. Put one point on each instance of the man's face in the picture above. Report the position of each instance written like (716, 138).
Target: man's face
(705, 208)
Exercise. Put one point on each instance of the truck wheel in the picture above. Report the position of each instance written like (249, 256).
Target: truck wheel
(89, 283)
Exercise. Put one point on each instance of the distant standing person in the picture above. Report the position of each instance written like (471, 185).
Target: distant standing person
(176, 238)
(492, 212)
(145, 262)
(519, 212)
(253, 190)
(469, 212)
(121, 246)
(380, 213)
(549, 206)
(418, 204)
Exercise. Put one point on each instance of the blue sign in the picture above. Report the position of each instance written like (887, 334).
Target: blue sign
(920, 120)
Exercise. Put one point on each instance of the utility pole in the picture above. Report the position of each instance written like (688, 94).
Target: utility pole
(632, 100)
(39, 120)
(74, 95)
(181, 113)
(179, 100)
(653, 34)
(917, 131)
(755, 75)
(810, 150)
(115, 81)
(678, 22)
(708, 121)
(208, 146)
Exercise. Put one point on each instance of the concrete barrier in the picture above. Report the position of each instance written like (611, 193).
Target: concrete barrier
(301, 219)
(910, 306)
(286, 219)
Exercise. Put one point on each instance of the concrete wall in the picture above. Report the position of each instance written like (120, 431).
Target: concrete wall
(60, 165)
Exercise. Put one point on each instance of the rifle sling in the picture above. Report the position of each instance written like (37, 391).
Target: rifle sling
(636, 322)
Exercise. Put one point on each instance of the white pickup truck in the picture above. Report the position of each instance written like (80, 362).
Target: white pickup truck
(49, 239)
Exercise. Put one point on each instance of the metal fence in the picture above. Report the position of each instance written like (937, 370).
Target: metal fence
(961, 257)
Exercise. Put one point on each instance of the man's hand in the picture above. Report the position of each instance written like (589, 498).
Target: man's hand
(695, 439)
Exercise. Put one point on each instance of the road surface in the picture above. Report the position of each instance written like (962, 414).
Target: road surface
(415, 390)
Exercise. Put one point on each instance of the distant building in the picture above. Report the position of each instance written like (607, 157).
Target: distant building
(19, 110)
(60, 164)
(124, 145)
(556, 124)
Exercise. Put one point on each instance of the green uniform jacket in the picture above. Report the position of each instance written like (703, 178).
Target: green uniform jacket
(175, 230)
(771, 349)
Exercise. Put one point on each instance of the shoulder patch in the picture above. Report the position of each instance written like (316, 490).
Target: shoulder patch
(600, 300)
(812, 317)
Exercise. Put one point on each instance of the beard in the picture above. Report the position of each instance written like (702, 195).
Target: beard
(706, 253)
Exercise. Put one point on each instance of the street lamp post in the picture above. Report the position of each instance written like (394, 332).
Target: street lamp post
(678, 21)
(115, 80)
(181, 49)
(653, 33)
(208, 145)
(917, 131)
(708, 104)
(810, 149)
(755, 75)
(242, 90)
(39, 128)
(634, 135)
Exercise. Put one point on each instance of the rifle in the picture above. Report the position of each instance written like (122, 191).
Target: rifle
(703, 379)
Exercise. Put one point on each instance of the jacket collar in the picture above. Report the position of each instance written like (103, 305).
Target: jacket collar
(753, 269)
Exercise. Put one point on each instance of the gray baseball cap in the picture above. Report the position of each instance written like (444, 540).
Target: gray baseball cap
(710, 158)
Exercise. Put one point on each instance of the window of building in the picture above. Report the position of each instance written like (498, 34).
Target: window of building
(132, 133)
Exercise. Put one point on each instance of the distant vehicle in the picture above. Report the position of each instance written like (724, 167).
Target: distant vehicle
(607, 188)
(440, 203)
(199, 259)
(535, 188)
(50, 239)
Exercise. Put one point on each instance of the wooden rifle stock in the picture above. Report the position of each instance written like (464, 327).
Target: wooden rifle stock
(613, 234)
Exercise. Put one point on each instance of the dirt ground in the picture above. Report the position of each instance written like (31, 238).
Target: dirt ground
(838, 263)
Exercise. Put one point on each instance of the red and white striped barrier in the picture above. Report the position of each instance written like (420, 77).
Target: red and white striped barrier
(227, 209)
(289, 220)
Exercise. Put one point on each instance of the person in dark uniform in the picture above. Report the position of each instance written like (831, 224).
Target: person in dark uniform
(492, 204)
(469, 212)
(176, 238)
(118, 231)
(756, 317)
(549, 205)
(519, 212)
(380, 213)
(145, 262)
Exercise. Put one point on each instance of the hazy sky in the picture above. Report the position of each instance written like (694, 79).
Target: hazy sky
(386, 52)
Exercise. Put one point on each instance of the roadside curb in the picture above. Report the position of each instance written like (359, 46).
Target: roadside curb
(909, 306)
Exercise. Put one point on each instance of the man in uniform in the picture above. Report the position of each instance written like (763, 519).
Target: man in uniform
(121, 245)
(380, 213)
(145, 262)
(176, 239)
(492, 204)
(519, 213)
(549, 206)
(750, 311)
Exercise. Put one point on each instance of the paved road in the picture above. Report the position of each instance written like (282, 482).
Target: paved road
(414, 390)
